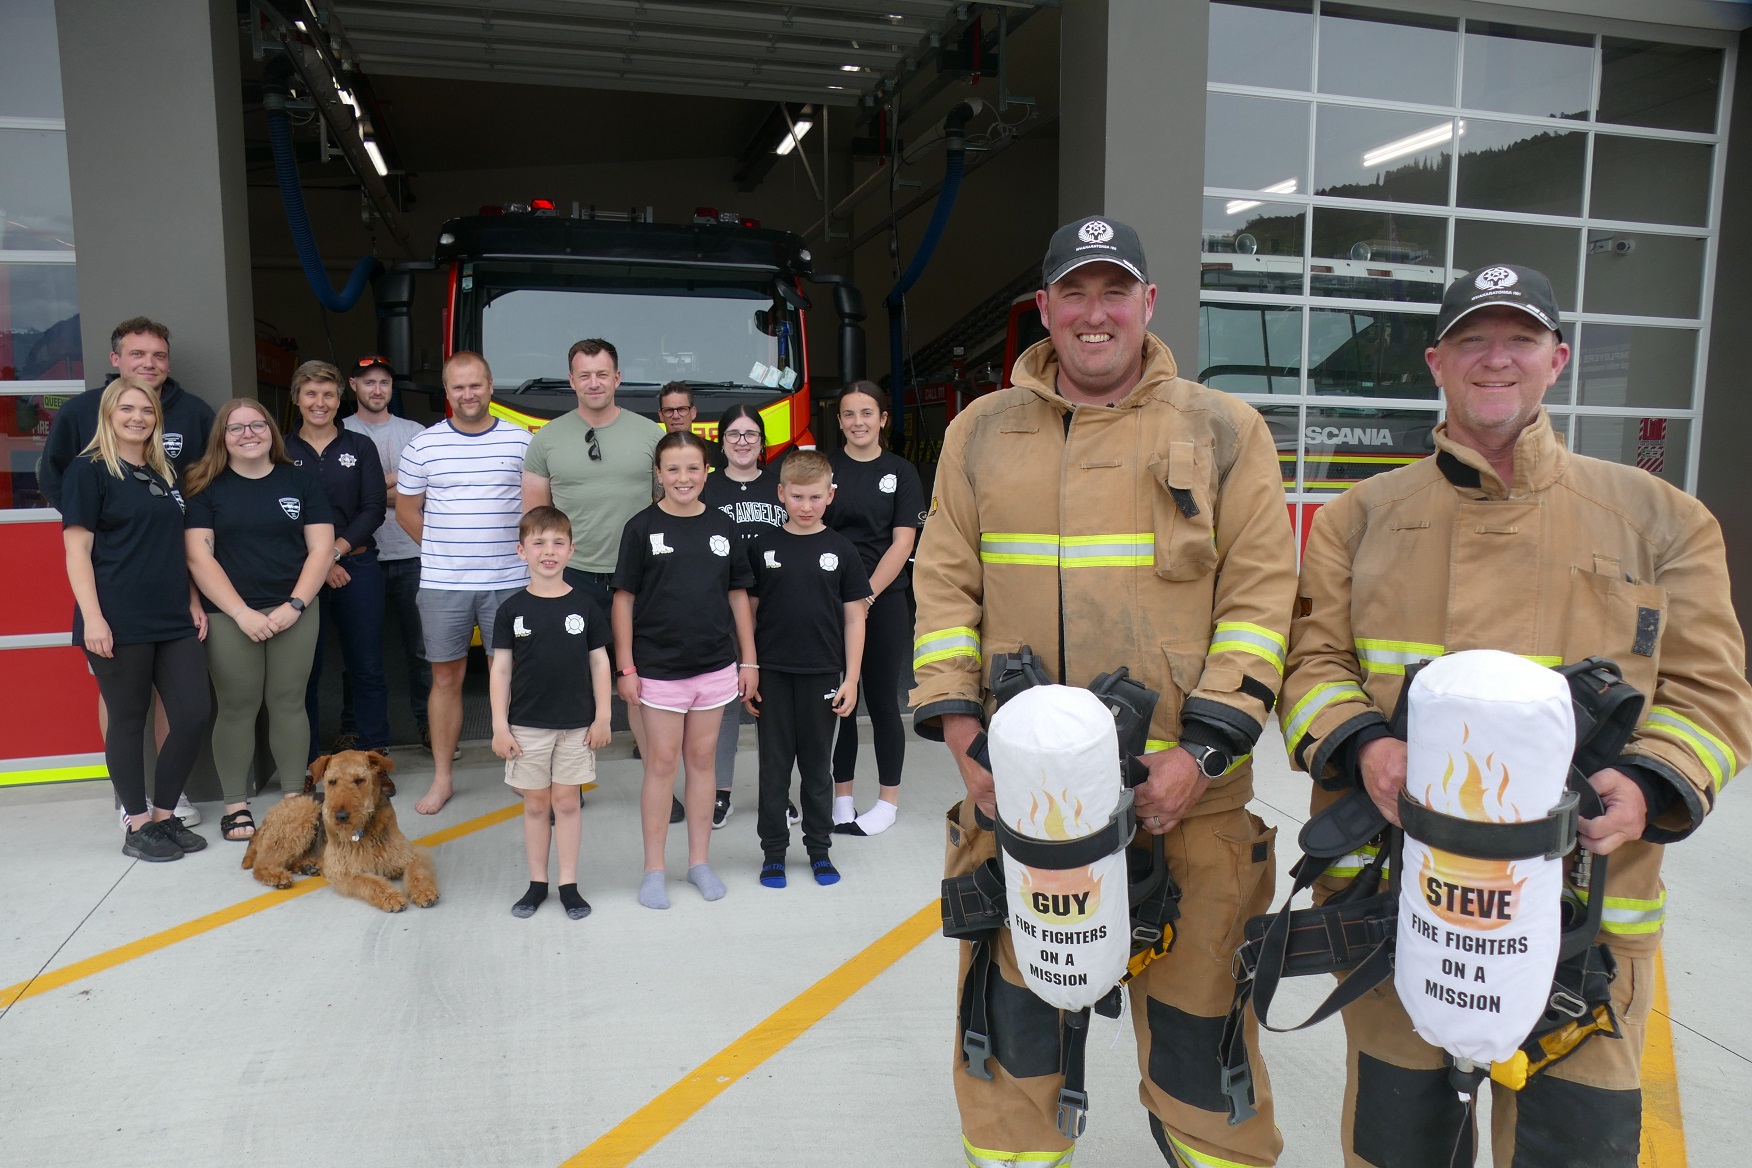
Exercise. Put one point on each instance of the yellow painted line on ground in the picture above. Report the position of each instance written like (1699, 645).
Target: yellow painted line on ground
(641, 1131)
(54, 979)
(1663, 1125)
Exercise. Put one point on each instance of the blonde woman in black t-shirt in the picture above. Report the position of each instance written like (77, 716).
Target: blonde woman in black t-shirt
(136, 616)
(684, 649)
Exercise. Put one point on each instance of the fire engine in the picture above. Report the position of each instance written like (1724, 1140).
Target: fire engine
(717, 303)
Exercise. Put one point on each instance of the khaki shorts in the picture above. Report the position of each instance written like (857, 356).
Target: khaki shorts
(549, 757)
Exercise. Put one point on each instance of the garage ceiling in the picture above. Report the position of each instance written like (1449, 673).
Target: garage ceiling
(831, 51)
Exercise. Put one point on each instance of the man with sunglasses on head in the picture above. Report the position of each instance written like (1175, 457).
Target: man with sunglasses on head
(372, 379)
(595, 465)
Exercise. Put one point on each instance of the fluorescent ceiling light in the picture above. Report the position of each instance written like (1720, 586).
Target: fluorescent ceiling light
(851, 68)
(1236, 206)
(376, 157)
(800, 127)
(1412, 143)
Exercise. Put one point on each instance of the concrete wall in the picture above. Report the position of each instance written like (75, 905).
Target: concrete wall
(155, 155)
(1131, 144)
(1722, 479)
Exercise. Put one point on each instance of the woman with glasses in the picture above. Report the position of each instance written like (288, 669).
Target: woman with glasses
(138, 619)
(743, 487)
(260, 542)
(351, 474)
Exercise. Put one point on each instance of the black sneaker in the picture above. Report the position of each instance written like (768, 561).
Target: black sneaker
(150, 843)
(345, 740)
(721, 810)
(677, 813)
(177, 832)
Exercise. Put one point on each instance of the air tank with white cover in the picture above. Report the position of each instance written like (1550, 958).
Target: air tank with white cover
(1055, 765)
(1490, 738)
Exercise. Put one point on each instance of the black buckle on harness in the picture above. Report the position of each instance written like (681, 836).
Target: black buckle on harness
(1073, 1101)
(973, 904)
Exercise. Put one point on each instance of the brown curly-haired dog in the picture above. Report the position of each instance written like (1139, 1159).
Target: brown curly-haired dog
(346, 832)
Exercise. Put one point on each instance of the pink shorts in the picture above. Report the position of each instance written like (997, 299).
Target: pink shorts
(705, 691)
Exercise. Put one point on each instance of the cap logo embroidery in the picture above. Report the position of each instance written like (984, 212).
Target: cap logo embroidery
(1495, 279)
(1095, 231)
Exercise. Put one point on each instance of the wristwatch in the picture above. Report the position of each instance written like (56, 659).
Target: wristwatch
(297, 604)
(1213, 762)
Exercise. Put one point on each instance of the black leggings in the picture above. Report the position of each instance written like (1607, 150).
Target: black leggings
(178, 671)
(887, 639)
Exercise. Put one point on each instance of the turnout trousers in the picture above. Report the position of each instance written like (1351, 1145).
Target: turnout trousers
(1584, 1112)
(1224, 866)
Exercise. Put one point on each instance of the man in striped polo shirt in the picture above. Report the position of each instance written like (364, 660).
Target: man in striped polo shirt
(459, 494)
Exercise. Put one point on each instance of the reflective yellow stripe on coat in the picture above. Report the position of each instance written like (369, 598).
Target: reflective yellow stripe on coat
(1046, 550)
(1242, 637)
(1379, 656)
(1716, 755)
(944, 644)
(1301, 716)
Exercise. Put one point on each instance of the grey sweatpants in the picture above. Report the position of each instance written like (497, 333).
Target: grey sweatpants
(248, 675)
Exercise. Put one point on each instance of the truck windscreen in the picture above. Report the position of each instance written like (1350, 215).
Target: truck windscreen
(683, 325)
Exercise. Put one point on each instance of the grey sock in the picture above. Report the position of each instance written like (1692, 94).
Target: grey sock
(703, 878)
(652, 894)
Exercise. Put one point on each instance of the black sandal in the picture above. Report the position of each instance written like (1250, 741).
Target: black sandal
(234, 820)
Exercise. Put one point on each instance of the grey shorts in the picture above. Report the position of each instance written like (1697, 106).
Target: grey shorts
(448, 619)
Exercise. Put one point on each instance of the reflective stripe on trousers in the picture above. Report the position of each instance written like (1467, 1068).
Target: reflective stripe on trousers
(986, 1158)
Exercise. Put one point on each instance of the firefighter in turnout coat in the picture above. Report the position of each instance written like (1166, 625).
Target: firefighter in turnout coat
(1105, 511)
(1506, 540)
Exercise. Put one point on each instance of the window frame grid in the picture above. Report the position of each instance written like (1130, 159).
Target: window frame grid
(1584, 224)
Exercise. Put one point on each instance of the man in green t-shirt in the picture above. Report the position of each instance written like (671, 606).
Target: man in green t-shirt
(595, 465)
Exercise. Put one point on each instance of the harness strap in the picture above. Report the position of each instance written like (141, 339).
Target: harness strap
(973, 904)
(1552, 837)
(976, 1026)
(1060, 855)
(1073, 1101)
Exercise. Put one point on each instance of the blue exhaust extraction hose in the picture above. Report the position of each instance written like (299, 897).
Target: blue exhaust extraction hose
(955, 126)
(292, 196)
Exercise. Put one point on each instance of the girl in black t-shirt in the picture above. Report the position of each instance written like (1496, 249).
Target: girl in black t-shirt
(260, 543)
(137, 618)
(746, 489)
(684, 647)
(879, 505)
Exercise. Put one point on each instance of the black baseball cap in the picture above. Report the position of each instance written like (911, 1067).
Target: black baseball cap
(1096, 239)
(1509, 285)
(366, 364)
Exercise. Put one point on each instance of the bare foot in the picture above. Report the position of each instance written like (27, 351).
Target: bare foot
(436, 796)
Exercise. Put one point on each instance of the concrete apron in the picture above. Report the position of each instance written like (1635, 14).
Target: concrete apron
(319, 1030)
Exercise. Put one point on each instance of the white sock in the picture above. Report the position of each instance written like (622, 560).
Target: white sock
(879, 818)
(844, 810)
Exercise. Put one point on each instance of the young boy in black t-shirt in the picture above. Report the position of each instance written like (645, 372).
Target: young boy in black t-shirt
(809, 598)
(546, 725)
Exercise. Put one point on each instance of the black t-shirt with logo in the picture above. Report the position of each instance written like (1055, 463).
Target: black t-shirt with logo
(870, 500)
(804, 582)
(550, 638)
(680, 570)
(258, 530)
(754, 505)
(136, 550)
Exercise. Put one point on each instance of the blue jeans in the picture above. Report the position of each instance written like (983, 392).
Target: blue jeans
(356, 610)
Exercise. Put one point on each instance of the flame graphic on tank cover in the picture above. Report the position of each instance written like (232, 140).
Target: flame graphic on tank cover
(1066, 896)
(1463, 891)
